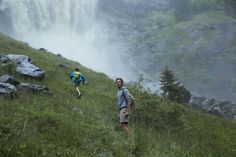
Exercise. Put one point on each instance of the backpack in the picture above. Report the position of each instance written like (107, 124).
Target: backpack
(132, 105)
(76, 74)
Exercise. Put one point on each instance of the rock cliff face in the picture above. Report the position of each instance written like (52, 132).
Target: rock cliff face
(197, 39)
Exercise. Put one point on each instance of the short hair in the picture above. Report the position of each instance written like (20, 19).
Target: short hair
(76, 69)
(121, 80)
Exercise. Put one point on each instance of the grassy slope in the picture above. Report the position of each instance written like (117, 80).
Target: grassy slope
(61, 125)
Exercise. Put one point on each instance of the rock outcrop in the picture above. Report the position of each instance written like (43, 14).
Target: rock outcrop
(25, 67)
(3, 59)
(217, 107)
(7, 89)
(185, 95)
(64, 66)
(9, 79)
(34, 88)
(9, 85)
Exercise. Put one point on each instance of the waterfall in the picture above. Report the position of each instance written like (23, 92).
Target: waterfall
(27, 16)
(68, 27)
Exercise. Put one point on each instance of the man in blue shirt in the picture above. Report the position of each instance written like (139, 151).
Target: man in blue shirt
(124, 105)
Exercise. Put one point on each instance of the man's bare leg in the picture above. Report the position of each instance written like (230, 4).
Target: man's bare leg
(78, 91)
(126, 130)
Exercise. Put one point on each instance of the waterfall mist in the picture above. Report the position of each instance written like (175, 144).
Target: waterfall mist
(67, 27)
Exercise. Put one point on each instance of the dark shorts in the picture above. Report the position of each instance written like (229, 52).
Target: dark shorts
(77, 82)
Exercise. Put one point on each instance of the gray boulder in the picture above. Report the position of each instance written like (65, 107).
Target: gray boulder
(59, 55)
(185, 95)
(18, 58)
(28, 69)
(3, 59)
(43, 49)
(25, 67)
(9, 79)
(7, 89)
(34, 88)
(217, 107)
(64, 66)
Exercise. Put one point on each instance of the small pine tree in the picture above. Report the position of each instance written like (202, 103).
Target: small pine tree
(172, 89)
(167, 81)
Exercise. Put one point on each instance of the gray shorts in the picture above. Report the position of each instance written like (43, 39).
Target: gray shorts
(124, 117)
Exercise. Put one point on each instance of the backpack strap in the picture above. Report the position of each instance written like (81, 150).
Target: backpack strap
(123, 94)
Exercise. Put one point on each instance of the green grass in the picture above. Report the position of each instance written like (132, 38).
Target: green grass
(37, 125)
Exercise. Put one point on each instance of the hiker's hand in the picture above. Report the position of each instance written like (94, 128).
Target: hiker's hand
(129, 107)
(127, 112)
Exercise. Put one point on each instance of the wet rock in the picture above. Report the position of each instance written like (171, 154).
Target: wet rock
(34, 88)
(18, 58)
(64, 66)
(25, 67)
(9, 79)
(3, 59)
(43, 49)
(7, 89)
(28, 69)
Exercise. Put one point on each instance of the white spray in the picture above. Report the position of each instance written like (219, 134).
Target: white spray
(68, 27)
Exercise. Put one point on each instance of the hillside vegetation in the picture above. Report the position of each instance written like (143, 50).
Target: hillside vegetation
(37, 125)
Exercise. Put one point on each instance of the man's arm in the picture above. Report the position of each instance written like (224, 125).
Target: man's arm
(71, 74)
(128, 99)
(83, 78)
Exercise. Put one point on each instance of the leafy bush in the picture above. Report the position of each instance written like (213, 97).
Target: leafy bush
(157, 113)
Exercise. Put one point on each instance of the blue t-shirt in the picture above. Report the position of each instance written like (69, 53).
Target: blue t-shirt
(123, 97)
